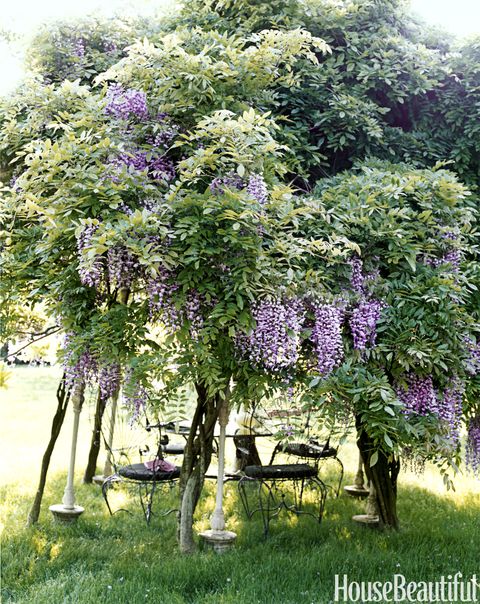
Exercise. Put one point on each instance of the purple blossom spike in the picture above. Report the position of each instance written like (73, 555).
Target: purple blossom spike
(327, 337)
(90, 274)
(109, 379)
(274, 342)
(472, 453)
(257, 188)
(125, 103)
(363, 323)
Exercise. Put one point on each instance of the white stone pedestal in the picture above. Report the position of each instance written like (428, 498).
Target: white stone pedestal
(63, 513)
(219, 541)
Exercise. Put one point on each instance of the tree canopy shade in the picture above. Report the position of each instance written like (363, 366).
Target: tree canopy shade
(155, 210)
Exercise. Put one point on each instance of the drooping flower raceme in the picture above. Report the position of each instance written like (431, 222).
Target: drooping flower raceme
(327, 337)
(357, 278)
(419, 396)
(134, 395)
(90, 272)
(363, 323)
(123, 267)
(472, 453)
(230, 181)
(257, 188)
(274, 343)
(109, 379)
(124, 103)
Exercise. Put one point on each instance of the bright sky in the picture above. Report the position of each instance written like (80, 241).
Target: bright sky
(460, 17)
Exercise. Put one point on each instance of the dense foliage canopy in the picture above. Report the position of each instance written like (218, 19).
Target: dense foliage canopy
(167, 206)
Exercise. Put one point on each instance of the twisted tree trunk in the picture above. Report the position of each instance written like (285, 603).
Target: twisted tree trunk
(196, 459)
(383, 475)
(96, 439)
(63, 397)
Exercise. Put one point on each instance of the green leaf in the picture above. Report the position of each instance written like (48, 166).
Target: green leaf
(373, 459)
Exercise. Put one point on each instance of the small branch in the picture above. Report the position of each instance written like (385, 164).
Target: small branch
(46, 332)
(12, 354)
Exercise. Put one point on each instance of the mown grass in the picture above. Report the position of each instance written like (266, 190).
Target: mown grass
(120, 559)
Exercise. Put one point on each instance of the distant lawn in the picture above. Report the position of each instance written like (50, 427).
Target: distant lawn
(119, 560)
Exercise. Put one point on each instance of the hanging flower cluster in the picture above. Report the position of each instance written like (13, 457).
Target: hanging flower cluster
(87, 369)
(473, 358)
(123, 267)
(124, 103)
(357, 278)
(363, 323)
(230, 181)
(257, 188)
(472, 453)
(90, 275)
(421, 397)
(275, 341)
(84, 369)
(365, 316)
(134, 395)
(109, 377)
(327, 337)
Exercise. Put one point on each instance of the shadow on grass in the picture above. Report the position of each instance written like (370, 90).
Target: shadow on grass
(120, 559)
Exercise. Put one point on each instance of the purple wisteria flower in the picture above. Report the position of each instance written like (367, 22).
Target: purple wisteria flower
(134, 395)
(90, 274)
(82, 368)
(472, 453)
(123, 267)
(327, 337)
(124, 103)
(419, 396)
(109, 376)
(257, 188)
(357, 278)
(79, 47)
(363, 323)
(229, 181)
(275, 341)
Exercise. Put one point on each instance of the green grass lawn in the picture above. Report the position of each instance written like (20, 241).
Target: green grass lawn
(119, 560)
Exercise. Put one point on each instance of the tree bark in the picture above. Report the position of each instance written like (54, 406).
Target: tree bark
(196, 459)
(383, 475)
(96, 439)
(63, 397)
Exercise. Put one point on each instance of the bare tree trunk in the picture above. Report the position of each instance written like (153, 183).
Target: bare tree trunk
(196, 459)
(96, 439)
(383, 475)
(63, 397)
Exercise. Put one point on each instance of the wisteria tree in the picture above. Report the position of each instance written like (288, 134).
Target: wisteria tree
(151, 213)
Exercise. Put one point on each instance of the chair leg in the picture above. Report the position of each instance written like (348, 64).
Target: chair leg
(342, 472)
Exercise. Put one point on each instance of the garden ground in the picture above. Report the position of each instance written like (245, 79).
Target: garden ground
(120, 560)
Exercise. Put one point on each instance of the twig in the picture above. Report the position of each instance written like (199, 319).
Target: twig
(12, 354)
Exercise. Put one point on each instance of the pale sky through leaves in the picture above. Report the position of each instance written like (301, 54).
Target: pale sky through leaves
(460, 17)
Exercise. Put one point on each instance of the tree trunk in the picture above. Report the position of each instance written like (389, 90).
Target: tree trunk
(96, 439)
(196, 459)
(383, 475)
(63, 397)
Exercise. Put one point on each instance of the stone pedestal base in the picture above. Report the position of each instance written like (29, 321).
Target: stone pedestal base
(63, 514)
(354, 491)
(367, 520)
(98, 479)
(219, 541)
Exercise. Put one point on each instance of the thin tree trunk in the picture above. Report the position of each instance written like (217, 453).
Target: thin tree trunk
(196, 459)
(383, 475)
(96, 439)
(63, 397)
